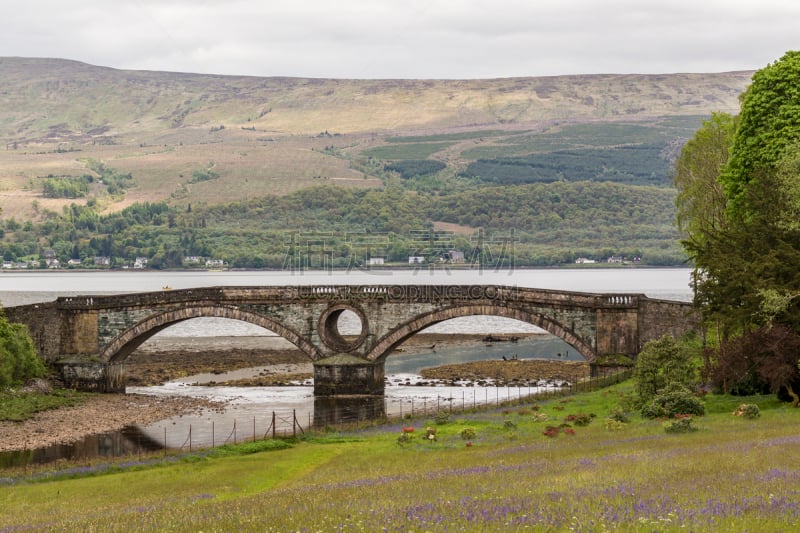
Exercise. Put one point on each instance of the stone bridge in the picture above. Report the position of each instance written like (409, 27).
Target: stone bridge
(89, 337)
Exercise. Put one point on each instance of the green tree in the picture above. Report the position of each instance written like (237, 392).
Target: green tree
(663, 362)
(18, 359)
(745, 244)
(769, 127)
(701, 200)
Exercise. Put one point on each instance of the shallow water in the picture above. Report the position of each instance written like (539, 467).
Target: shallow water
(249, 411)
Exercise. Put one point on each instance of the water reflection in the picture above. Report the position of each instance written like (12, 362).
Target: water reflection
(332, 411)
(256, 412)
(125, 442)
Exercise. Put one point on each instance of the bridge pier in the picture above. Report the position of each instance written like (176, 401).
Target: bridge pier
(344, 374)
(92, 376)
(335, 410)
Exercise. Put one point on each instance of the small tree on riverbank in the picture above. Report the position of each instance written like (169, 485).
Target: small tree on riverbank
(18, 359)
(663, 362)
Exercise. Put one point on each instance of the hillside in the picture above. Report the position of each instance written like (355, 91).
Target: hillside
(98, 140)
(269, 135)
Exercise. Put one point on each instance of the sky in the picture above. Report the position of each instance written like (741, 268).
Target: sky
(379, 39)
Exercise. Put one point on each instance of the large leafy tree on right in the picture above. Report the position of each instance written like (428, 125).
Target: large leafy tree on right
(741, 224)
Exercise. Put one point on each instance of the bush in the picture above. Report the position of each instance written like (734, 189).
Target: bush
(614, 425)
(660, 363)
(551, 431)
(674, 399)
(430, 434)
(747, 410)
(405, 438)
(18, 359)
(679, 425)
(620, 415)
(580, 419)
(468, 433)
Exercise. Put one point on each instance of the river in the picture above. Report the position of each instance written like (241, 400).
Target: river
(250, 411)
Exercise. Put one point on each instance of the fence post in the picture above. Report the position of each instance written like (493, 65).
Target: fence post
(273, 424)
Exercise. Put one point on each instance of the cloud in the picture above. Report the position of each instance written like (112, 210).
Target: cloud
(409, 39)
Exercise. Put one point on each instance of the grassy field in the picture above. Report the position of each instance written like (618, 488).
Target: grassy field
(732, 474)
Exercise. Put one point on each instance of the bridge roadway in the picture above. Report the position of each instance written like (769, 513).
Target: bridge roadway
(89, 337)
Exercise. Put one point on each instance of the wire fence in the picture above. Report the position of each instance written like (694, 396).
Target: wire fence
(359, 413)
(178, 438)
(281, 425)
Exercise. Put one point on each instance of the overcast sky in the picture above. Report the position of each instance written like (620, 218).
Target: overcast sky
(405, 38)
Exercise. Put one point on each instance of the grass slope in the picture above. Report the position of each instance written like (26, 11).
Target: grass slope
(730, 475)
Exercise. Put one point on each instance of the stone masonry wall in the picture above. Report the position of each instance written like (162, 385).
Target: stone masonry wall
(657, 317)
(43, 323)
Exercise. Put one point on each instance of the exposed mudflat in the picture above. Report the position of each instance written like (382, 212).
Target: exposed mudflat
(509, 372)
(164, 359)
(97, 414)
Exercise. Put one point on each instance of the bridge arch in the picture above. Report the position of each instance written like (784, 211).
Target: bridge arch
(397, 336)
(119, 348)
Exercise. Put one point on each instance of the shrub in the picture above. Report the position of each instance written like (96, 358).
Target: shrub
(761, 361)
(430, 434)
(508, 424)
(747, 410)
(18, 359)
(679, 425)
(540, 417)
(614, 425)
(580, 419)
(468, 433)
(442, 418)
(674, 399)
(551, 431)
(660, 363)
(620, 415)
(405, 438)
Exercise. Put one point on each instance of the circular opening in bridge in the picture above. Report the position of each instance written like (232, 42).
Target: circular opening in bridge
(343, 327)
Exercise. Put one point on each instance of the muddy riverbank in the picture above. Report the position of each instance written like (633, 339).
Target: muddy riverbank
(164, 359)
(96, 414)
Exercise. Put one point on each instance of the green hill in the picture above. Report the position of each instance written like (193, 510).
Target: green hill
(106, 139)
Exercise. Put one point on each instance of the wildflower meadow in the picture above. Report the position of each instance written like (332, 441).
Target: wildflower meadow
(527, 467)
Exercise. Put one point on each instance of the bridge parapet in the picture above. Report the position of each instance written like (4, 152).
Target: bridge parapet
(621, 300)
(393, 293)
